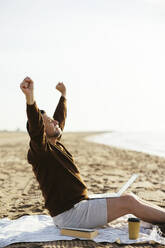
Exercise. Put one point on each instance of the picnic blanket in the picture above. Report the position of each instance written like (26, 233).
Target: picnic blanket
(40, 228)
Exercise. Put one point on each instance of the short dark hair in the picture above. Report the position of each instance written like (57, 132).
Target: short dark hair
(42, 111)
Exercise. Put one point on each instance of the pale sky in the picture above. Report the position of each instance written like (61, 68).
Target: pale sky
(109, 53)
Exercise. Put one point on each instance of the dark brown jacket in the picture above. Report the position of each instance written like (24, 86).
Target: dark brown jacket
(54, 167)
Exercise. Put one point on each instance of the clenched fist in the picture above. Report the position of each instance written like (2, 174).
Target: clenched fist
(61, 88)
(27, 87)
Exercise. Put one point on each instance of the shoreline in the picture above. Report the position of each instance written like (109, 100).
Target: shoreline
(151, 143)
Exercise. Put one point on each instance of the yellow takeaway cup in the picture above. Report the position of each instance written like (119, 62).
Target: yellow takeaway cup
(133, 228)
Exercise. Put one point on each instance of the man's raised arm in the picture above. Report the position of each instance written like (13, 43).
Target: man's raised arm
(61, 109)
(35, 125)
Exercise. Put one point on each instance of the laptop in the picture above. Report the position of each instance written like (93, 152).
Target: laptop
(119, 193)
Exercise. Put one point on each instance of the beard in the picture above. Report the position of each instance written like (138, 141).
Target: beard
(56, 134)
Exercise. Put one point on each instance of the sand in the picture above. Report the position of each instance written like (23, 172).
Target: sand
(103, 168)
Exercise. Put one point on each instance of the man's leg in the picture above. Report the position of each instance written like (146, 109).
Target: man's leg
(130, 204)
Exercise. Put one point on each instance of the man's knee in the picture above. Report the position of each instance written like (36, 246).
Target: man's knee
(125, 202)
(120, 206)
(130, 202)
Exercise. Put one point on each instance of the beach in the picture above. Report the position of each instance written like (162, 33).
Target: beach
(103, 168)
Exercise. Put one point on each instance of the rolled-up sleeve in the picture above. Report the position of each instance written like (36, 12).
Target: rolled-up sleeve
(61, 112)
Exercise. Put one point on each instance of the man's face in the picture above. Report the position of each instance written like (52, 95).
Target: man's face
(51, 127)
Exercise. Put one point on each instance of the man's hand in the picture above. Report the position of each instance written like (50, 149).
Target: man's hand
(61, 88)
(27, 88)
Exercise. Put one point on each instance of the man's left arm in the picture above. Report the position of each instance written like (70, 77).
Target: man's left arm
(61, 109)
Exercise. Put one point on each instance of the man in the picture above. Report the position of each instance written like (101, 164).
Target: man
(64, 190)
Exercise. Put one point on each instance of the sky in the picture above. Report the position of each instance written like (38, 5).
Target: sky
(110, 54)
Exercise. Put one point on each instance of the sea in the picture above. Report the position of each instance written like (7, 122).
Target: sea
(148, 142)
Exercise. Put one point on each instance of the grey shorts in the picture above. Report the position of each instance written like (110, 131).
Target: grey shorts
(85, 214)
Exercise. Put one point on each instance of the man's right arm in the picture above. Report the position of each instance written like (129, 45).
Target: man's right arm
(35, 125)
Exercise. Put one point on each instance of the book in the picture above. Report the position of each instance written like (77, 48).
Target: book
(79, 232)
(117, 194)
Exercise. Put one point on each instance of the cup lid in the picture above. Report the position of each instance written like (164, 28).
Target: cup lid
(134, 219)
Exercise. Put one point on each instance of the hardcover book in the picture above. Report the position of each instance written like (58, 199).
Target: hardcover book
(79, 232)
